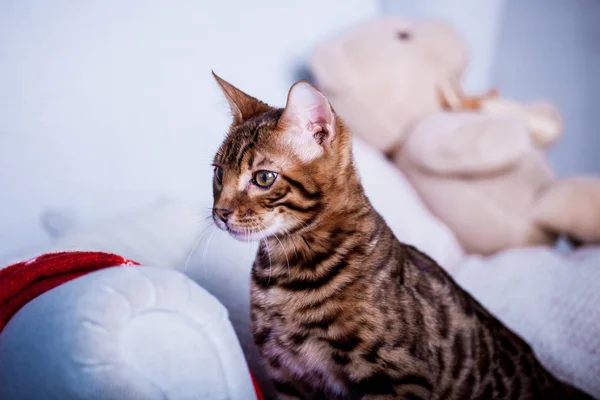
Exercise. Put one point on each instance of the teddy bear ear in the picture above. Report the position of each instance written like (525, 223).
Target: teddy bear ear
(331, 68)
(308, 121)
(243, 106)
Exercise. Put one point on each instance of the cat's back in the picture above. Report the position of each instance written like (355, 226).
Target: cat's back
(472, 353)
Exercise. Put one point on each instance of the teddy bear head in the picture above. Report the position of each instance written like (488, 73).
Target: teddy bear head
(384, 74)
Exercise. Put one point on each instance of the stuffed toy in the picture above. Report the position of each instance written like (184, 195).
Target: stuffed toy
(478, 162)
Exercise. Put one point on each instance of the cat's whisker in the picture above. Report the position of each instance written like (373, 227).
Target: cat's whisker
(287, 232)
(285, 252)
(205, 215)
(247, 236)
(248, 242)
(208, 217)
(195, 246)
(297, 219)
(205, 252)
(192, 251)
(282, 248)
(268, 253)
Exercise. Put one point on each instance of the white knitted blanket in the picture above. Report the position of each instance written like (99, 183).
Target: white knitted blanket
(552, 300)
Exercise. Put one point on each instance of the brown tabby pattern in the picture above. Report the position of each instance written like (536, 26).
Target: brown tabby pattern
(340, 308)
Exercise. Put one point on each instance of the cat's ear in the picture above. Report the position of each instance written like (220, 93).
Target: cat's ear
(242, 106)
(308, 121)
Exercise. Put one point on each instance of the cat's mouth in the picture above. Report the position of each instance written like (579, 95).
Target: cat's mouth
(243, 234)
(248, 232)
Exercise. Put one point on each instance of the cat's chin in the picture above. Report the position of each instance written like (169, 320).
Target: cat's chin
(243, 236)
(250, 236)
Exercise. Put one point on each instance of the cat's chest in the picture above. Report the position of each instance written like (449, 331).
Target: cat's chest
(293, 349)
(309, 358)
(313, 358)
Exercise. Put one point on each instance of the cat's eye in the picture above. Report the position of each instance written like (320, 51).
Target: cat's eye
(219, 174)
(264, 179)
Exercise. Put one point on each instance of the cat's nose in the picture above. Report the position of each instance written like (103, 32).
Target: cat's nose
(223, 213)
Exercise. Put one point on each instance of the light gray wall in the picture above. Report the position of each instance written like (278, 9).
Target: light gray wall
(551, 49)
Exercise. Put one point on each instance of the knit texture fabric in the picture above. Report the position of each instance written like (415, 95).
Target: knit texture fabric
(549, 299)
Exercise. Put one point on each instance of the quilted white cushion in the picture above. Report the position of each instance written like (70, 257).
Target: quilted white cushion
(123, 333)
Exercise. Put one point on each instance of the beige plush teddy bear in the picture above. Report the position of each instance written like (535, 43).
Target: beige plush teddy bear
(477, 162)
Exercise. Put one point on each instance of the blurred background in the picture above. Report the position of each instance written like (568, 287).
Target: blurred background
(107, 106)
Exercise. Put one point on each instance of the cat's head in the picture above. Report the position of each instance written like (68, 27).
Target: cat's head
(276, 167)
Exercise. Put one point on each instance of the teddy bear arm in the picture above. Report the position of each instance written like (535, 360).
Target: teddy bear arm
(467, 143)
(452, 97)
(542, 118)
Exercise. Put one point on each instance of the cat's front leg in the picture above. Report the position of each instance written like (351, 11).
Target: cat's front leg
(397, 396)
(288, 390)
(400, 393)
(384, 397)
(286, 386)
(296, 390)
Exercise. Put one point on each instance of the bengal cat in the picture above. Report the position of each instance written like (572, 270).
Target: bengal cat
(340, 309)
